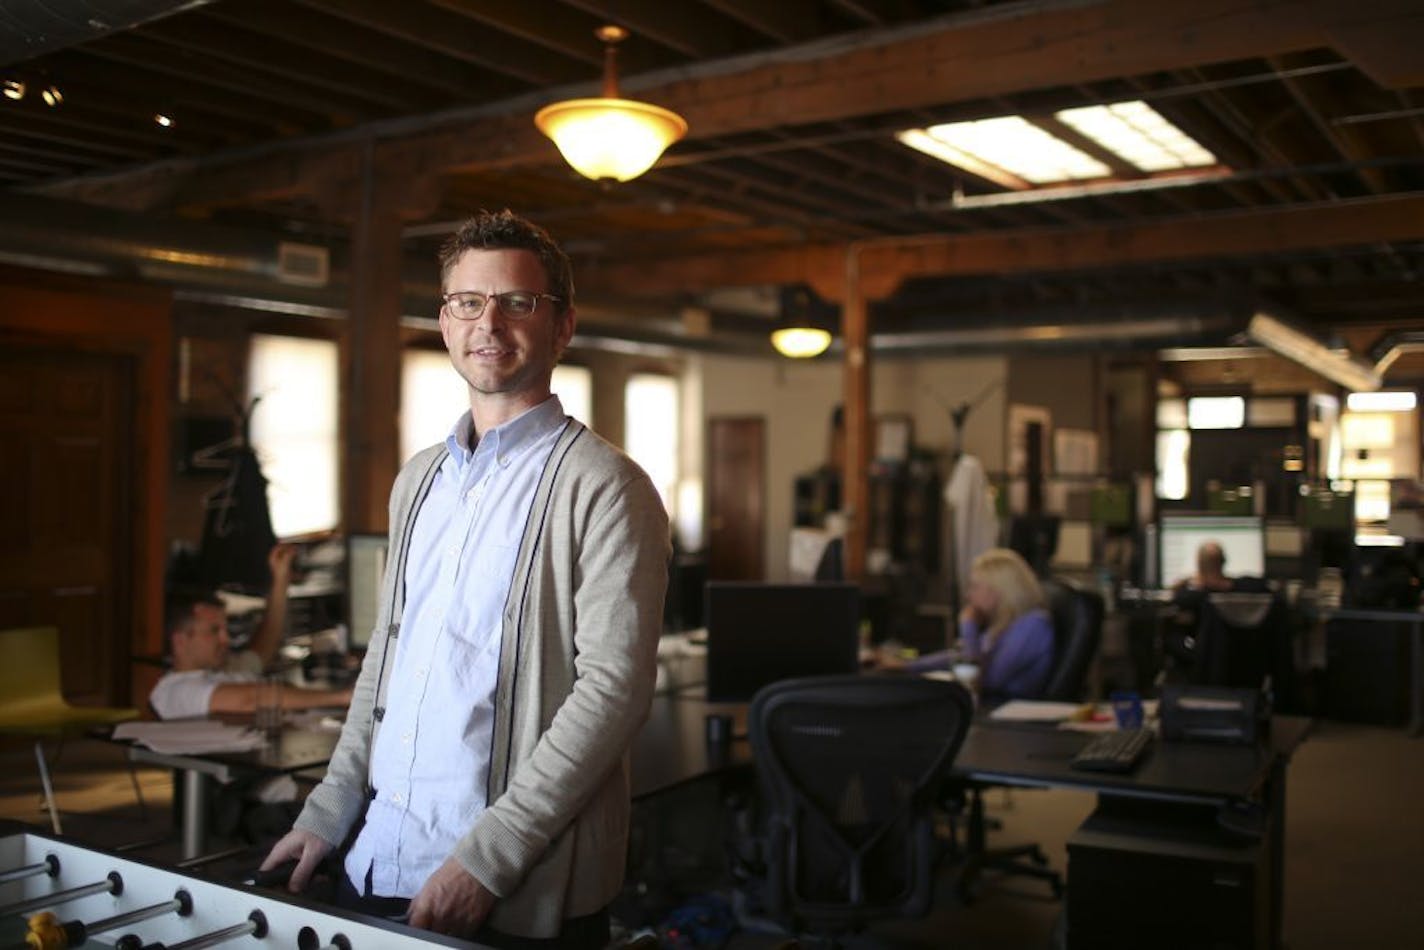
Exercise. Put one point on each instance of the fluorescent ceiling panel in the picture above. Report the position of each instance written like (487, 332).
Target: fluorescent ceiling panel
(1006, 150)
(1013, 152)
(1138, 133)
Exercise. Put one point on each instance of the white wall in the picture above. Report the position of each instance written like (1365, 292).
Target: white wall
(796, 400)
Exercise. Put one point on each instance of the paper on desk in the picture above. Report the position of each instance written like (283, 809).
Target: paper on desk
(189, 736)
(1033, 710)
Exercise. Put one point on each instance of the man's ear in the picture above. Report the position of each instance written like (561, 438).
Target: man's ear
(564, 328)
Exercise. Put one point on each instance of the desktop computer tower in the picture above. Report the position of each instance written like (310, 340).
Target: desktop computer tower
(1162, 875)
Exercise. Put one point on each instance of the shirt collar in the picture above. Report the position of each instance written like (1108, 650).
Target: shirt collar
(508, 439)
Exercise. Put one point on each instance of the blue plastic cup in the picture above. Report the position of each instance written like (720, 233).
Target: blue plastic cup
(1127, 707)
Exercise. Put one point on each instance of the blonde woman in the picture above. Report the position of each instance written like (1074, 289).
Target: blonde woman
(1004, 627)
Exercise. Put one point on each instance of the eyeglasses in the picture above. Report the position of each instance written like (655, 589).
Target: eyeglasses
(516, 304)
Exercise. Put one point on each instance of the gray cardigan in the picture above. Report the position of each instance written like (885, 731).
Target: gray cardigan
(577, 668)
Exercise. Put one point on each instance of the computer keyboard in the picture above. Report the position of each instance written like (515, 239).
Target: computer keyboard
(1118, 751)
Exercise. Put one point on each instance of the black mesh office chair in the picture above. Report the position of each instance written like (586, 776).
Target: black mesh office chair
(1243, 641)
(1077, 632)
(850, 768)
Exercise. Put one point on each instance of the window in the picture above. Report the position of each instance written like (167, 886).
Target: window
(433, 396)
(650, 430)
(1216, 412)
(294, 430)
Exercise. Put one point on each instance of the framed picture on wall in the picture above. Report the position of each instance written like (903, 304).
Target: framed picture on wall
(894, 434)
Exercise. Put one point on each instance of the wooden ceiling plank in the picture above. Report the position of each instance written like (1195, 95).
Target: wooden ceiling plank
(567, 32)
(391, 55)
(1345, 140)
(688, 28)
(178, 65)
(136, 87)
(286, 61)
(786, 21)
(453, 35)
(1266, 231)
(954, 60)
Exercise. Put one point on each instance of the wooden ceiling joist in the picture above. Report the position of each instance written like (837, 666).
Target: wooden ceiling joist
(884, 265)
(996, 52)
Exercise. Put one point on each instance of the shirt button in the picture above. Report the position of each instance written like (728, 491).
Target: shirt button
(453, 551)
(396, 797)
(406, 738)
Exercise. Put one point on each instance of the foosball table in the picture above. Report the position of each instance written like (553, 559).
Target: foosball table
(56, 894)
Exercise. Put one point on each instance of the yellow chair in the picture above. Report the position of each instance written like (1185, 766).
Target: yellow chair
(31, 703)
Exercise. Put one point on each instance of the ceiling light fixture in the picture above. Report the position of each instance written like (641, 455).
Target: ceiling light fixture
(163, 119)
(1338, 367)
(52, 96)
(610, 137)
(13, 89)
(796, 334)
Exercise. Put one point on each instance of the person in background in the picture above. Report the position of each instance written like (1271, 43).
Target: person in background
(206, 676)
(484, 762)
(1211, 571)
(1004, 627)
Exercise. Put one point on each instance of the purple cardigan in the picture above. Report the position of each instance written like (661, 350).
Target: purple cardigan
(1017, 667)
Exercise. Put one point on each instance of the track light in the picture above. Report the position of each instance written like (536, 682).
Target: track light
(163, 119)
(52, 96)
(13, 89)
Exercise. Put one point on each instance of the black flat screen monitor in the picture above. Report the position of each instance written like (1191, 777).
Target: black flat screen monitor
(761, 633)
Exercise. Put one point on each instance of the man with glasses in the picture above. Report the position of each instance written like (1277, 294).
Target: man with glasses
(486, 746)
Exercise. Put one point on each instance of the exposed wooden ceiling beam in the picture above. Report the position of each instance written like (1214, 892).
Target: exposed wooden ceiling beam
(989, 53)
(884, 265)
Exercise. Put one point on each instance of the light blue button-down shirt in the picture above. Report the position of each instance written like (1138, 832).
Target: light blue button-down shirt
(430, 764)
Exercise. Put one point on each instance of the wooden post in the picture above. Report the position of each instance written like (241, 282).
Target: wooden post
(855, 499)
(372, 355)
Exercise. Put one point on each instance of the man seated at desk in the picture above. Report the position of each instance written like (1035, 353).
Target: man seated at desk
(207, 677)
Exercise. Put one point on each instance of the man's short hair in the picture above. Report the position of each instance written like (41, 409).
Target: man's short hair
(178, 611)
(505, 230)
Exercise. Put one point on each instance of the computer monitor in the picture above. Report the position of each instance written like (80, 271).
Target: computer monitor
(1242, 540)
(759, 633)
(365, 568)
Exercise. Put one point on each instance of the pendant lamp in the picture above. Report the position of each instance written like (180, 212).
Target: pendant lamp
(610, 137)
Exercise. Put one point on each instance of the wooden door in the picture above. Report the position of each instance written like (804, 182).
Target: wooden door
(66, 508)
(736, 498)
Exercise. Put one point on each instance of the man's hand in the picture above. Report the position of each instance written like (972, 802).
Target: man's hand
(280, 559)
(451, 902)
(303, 847)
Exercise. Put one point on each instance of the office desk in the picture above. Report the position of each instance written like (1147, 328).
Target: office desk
(1183, 773)
(292, 751)
(672, 749)
(1414, 621)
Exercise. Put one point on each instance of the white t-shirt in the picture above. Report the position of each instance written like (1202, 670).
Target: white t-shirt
(186, 694)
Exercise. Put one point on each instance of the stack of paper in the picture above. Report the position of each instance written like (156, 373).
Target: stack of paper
(190, 736)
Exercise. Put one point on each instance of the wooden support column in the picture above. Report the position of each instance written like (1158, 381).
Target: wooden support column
(855, 479)
(372, 353)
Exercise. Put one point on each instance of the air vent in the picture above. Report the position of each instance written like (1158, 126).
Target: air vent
(304, 265)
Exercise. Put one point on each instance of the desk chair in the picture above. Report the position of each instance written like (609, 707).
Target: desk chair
(850, 768)
(31, 703)
(1077, 633)
(1243, 641)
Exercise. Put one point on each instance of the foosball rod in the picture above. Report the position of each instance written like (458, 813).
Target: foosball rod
(50, 866)
(47, 932)
(113, 884)
(255, 924)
